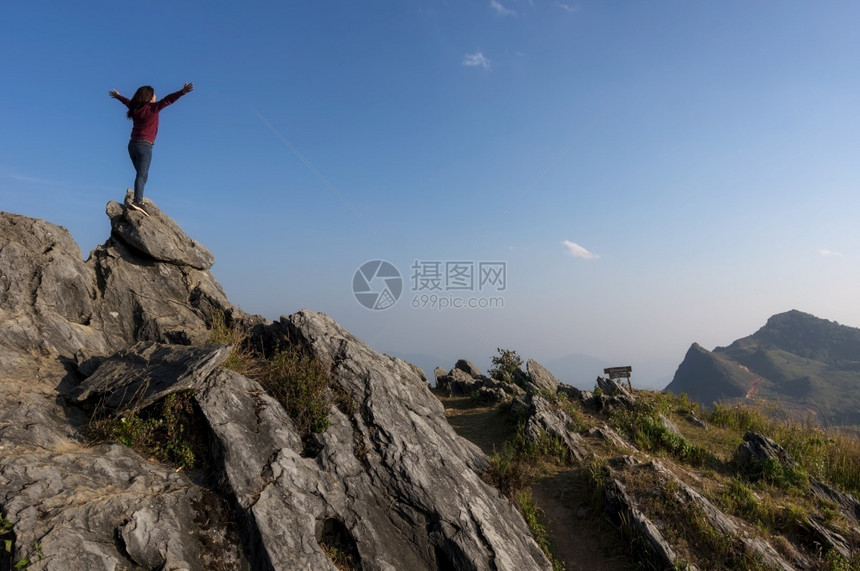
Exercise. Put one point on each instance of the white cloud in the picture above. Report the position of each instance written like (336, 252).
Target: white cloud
(578, 251)
(501, 10)
(567, 7)
(829, 253)
(476, 59)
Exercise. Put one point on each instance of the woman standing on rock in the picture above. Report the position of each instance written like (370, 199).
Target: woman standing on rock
(143, 110)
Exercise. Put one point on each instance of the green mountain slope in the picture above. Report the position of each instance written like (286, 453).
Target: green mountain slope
(804, 365)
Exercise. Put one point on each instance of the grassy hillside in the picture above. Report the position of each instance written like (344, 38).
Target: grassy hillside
(565, 501)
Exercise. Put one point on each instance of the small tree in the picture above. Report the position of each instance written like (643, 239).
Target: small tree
(505, 364)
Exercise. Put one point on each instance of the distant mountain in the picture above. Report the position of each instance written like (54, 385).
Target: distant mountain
(806, 365)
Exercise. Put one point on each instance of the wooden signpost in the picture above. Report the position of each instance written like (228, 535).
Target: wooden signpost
(620, 373)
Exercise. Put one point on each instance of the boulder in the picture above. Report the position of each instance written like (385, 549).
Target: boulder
(103, 507)
(53, 304)
(614, 395)
(468, 367)
(128, 311)
(691, 416)
(669, 425)
(156, 235)
(146, 372)
(827, 538)
(546, 418)
(490, 395)
(439, 373)
(542, 379)
(757, 448)
(460, 383)
(571, 392)
(608, 434)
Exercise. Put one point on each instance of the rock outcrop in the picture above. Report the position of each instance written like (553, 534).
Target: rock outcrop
(157, 235)
(542, 379)
(465, 379)
(387, 485)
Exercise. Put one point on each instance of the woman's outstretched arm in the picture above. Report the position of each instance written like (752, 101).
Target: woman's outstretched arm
(116, 95)
(171, 98)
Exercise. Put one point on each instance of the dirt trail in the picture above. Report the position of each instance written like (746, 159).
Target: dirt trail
(580, 539)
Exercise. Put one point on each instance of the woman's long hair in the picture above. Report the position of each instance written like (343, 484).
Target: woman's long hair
(142, 96)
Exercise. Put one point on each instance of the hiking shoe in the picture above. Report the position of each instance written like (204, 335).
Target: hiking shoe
(139, 207)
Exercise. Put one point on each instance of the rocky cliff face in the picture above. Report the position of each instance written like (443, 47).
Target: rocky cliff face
(388, 485)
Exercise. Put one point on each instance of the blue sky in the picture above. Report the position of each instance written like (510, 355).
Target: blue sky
(651, 173)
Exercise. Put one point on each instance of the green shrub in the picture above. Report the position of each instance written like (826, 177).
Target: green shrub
(835, 561)
(775, 473)
(505, 364)
(300, 383)
(165, 431)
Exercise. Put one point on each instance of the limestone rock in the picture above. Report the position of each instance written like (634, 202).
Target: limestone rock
(48, 295)
(76, 503)
(468, 367)
(848, 505)
(53, 304)
(622, 509)
(543, 417)
(438, 374)
(179, 313)
(147, 372)
(691, 416)
(405, 434)
(490, 395)
(757, 448)
(827, 538)
(571, 392)
(608, 434)
(614, 395)
(460, 383)
(157, 235)
(669, 425)
(541, 378)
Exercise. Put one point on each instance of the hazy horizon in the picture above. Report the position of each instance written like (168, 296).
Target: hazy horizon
(621, 179)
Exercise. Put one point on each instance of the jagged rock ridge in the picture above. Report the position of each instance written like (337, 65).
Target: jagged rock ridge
(389, 482)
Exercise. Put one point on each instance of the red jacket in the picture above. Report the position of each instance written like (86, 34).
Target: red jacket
(146, 118)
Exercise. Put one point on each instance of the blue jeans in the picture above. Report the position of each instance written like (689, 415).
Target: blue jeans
(141, 155)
